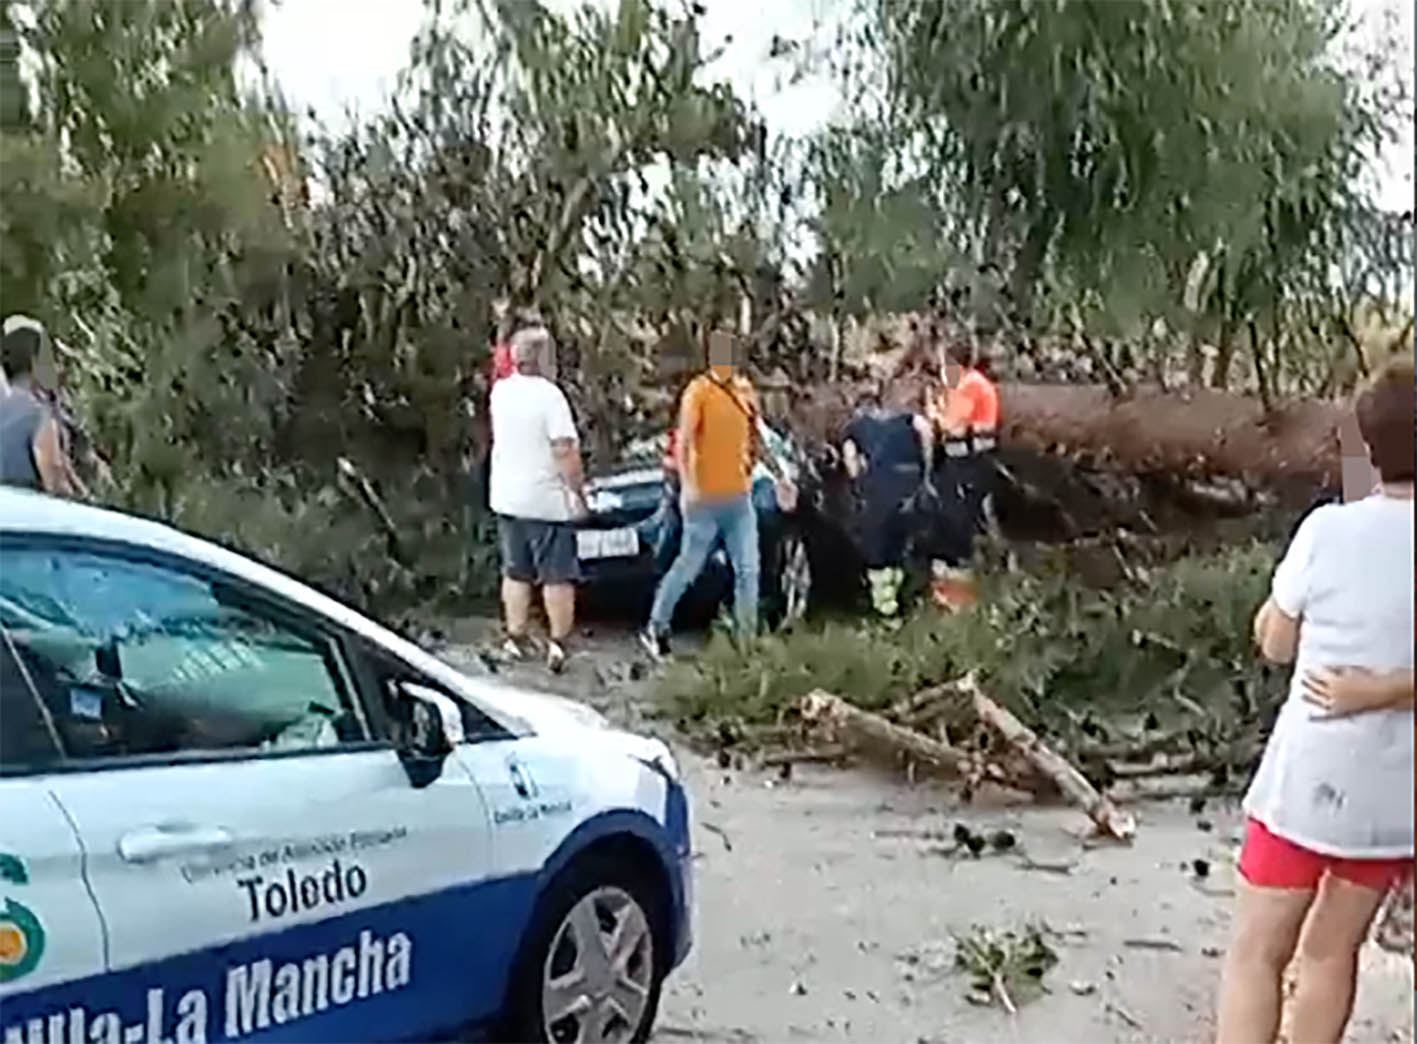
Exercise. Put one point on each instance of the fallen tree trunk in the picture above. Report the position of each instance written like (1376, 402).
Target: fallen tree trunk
(1196, 433)
(1110, 819)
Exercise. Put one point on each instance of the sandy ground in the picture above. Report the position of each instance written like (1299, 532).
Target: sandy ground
(824, 915)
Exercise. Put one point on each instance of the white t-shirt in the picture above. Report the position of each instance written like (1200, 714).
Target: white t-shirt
(1343, 786)
(528, 413)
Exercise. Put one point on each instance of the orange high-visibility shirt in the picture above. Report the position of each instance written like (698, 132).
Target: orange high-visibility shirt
(971, 405)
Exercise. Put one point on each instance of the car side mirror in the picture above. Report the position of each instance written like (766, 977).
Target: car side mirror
(429, 727)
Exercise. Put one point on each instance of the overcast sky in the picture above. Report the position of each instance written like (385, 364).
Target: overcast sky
(341, 55)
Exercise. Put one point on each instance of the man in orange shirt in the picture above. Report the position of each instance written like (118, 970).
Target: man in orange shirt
(966, 416)
(718, 445)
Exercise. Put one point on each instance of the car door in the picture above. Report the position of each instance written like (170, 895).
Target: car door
(263, 864)
(51, 939)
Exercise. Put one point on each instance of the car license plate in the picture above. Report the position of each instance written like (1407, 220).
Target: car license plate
(607, 543)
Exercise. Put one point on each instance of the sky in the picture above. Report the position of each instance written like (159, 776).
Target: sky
(342, 56)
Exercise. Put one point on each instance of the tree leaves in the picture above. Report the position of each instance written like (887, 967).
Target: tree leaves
(1158, 130)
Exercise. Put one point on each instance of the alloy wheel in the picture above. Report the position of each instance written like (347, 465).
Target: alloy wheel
(795, 579)
(599, 972)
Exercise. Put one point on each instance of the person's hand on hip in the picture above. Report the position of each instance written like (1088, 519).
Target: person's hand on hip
(1340, 692)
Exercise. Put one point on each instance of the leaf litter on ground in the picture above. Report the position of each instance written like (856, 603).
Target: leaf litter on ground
(1005, 967)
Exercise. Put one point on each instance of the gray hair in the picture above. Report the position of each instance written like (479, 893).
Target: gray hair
(533, 351)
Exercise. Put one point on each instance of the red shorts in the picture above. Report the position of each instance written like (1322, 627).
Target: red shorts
(1269, 861)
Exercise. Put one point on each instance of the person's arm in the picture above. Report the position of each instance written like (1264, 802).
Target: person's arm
(1277, 624)
(566, 450)
(690, 412)
(56, 473)
(1276, 633)
(758, 449)
(852, 458)
(1341, 691)
(567, 454)
(925, 432)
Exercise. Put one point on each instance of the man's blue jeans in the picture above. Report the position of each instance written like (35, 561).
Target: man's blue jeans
(736, 523)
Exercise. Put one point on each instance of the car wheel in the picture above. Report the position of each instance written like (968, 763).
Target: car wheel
(594, 965)
(794, 578)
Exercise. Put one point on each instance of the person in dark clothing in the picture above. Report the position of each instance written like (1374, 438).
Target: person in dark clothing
(965, 414)
(886, 453)
(32, 453)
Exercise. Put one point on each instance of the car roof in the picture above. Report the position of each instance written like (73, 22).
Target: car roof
(25, 511)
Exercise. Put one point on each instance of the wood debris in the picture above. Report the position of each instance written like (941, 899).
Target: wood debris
(957, 731)
(1022, 762)
(838, 718)
(1110, 820)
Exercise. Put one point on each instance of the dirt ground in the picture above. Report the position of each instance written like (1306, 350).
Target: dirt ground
(824, 914)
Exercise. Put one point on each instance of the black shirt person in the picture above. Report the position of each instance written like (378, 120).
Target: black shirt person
(886, 454)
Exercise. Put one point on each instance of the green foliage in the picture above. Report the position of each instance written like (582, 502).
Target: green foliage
(226, 343)
(882, 239)
(1110, 150)
(1170, 637)
(1005, 967)
(14, 95)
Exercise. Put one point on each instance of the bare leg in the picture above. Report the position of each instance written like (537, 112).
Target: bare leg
(560, 602)
(1267, 922)
(516, 604)
(1328, 959)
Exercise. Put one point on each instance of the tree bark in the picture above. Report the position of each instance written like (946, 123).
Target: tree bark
(1029, 262)
(1109, 819)
(850, 721)
(1224, 353)
(1197, 434)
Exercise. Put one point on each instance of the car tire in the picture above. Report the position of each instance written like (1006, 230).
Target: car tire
(791, 584)
(604, 892)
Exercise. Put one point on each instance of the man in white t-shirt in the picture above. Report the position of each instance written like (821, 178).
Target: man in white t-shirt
(537, 491)
(1330, 809)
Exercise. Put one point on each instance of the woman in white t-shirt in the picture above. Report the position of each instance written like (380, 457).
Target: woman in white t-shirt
(1330, 810)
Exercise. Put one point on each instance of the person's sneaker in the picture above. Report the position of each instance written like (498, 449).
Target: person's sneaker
(555, 657)
(512, 649)
(657, 645)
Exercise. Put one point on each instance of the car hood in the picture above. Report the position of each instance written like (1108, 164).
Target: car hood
(552, 715)
(548, 714)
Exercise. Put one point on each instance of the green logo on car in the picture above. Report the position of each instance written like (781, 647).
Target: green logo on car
(21, 934)
(21, 941)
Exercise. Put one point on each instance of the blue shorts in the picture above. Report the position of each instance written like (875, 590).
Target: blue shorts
(538, 552)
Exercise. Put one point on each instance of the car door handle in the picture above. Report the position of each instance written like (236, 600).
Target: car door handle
(148, 843)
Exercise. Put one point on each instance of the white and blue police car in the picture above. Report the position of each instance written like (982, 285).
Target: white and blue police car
(233, 809)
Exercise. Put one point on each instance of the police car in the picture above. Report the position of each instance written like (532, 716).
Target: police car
(232, 808)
